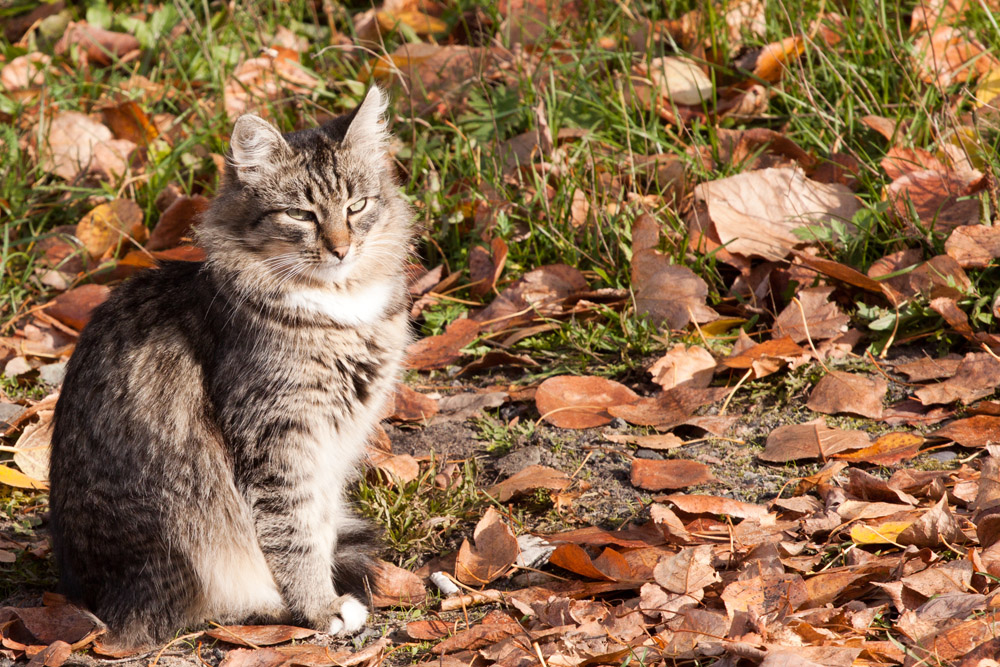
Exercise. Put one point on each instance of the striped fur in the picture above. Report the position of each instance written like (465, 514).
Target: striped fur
(213, 413)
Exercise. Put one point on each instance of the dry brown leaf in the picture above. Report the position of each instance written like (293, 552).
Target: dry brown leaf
(976, 431)
(34, 447)
(889, 449)
(430, 629)
(669, 293)
(947, 56)
(265, 78)
(96, 44)
(540, 292)
(812, 440)
(444, 349)
(689, 571)
(765, 594)
(176, 222)
(756, 213)
(868, 487)
(494, 552)
(823, 319)
(495, 627)
(773, 59)
(395, 586)
(935, 198)
(76, 145)
(629, 538)
(713, 505)
(926, 368)
(765, 358)
(974, 246)
(679, 81)
(839, 392)
(657, 441)
(403, 467)
(975, 378)
(669, 408)
(56, 621)
(485, 267)
(570, 401)
(937, 527)
(258, 635)
(529, 480)
(608, 566)
(74, 308)
(655, 475)
(684, 366)
(27, 71)
(409, 405)
(900, 161)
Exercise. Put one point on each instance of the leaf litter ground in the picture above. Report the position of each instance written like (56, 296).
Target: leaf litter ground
(745, 316)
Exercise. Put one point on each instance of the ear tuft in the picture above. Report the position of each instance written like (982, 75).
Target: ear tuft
(256, 144)
(368, 131)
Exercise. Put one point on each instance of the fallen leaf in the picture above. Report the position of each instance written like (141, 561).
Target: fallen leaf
(74, 308)
(765, 594)
(765, 358)
(689, 571)
(110, 225)
(679, 81)
(839, 392)
(467, 405)
(76, 145)
(495, 627)
(973, 246)
(265, 78)
(976, 431)
(669, 293)
(485, 267)
(540, 292)
(935, 198)
(570, 401)
(241, 657)
(657, 441)
(494, 552)
(926, 368)
(258, 635)
(11, 477)
(823, 319)
(402, 467)
(33, 447)
(756, 213)
(889, 449)
(177, 221)
(96, 44)
(947, 56)
(528, 480)
(417, 21)
(608, 566)
(669, 408)
(444, 349)
(654, 475)
(812, 440)
(773, 59)
(975, 378)
(27, 71)
(935, 528)
(684, 366)
(396, 587)
(430, 629)
(409, 405)
(56, 621)
(882, 533)
(700, 505)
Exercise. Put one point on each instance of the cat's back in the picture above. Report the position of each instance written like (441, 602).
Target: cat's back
(138, 365)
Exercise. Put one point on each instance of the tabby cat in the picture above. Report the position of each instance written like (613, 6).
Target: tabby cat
(213, 412)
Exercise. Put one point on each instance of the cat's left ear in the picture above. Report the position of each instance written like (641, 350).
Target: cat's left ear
(257, 147)
(367, 131)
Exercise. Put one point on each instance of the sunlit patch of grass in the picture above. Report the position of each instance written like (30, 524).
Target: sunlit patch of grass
(418, 516)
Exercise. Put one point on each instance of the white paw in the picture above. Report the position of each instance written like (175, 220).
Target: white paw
(351, 616)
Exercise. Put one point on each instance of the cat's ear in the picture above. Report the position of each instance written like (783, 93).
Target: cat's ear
(257, 147)
(367, 131)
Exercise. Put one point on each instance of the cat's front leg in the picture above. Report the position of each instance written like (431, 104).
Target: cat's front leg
(296, 543)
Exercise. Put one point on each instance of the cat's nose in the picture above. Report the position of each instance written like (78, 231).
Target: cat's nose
(341, 251)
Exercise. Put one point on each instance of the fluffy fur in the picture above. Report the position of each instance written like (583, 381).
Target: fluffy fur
(213, 413)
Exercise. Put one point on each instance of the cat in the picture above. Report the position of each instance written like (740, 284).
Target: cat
(212, 413)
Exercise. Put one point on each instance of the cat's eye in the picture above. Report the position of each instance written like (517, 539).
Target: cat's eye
(300, 214)
(358, 206)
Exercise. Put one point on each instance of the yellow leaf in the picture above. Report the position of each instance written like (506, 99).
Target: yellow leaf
(988, 88)
(721, 326)
(16, 478)
(420, 23)
(884, 533)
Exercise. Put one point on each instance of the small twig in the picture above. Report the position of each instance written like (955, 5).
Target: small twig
(171, 643)
(722, 410)
(805, 325)
(538, 651)
(582, 463)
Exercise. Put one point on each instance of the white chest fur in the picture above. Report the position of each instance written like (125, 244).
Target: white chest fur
(363, 305)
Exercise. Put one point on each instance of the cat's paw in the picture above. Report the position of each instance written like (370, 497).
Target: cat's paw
(350, 616)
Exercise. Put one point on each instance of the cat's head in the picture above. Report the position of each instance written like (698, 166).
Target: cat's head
(315, 208)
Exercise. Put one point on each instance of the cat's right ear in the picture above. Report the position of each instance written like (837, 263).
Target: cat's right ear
(257, 148)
